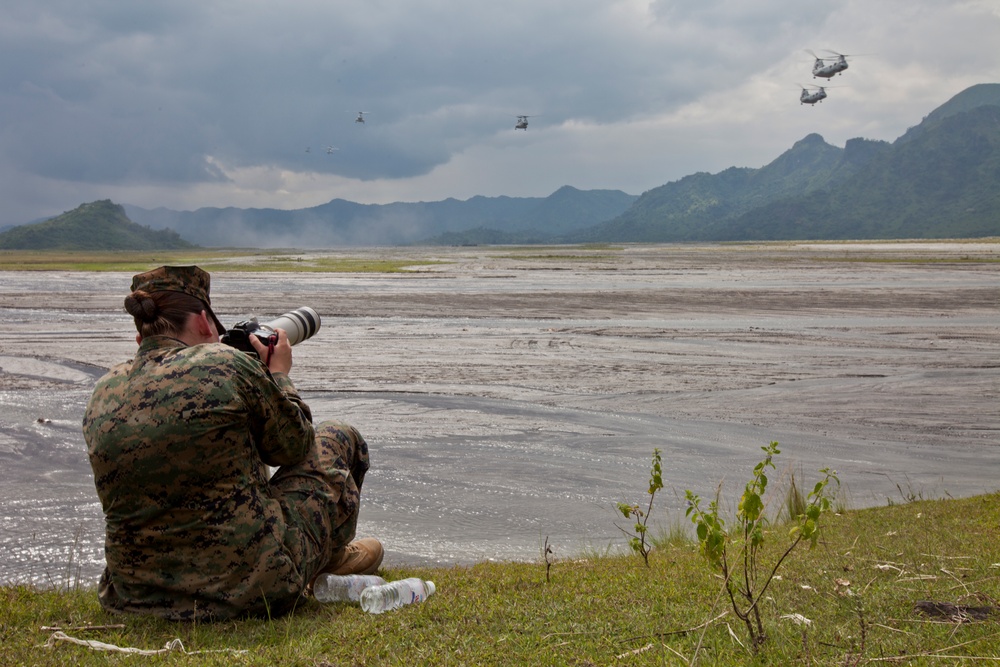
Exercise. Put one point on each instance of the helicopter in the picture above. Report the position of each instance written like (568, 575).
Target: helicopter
(812, 97)
(828, 67)
(361, 117)
(522, 123)
(331, 149)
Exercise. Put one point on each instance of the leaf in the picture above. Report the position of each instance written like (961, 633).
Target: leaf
(751, 506)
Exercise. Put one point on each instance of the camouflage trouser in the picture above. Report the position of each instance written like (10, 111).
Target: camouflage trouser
(320, 496)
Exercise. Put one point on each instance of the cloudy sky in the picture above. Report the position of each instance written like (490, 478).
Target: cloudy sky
(191, 103)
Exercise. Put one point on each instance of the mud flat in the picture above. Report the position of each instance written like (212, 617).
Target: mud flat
(511, 395)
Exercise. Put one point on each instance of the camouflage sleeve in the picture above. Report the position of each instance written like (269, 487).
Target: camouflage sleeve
(280, 422)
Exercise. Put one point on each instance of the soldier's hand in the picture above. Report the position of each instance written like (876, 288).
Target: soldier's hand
(277, 358)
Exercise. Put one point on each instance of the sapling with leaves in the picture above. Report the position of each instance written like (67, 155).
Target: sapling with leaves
(637, 537)
(746, 578)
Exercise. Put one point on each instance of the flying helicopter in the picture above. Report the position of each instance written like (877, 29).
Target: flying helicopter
(331, 149)
(361, 117)
(826, 68)
(522, 123)
(812, 97)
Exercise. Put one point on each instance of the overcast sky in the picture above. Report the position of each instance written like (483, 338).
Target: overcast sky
(191, 103)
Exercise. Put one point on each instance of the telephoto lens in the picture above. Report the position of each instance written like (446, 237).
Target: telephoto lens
(299, 324)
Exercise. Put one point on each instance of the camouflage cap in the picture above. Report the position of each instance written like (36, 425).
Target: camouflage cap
(187, 279)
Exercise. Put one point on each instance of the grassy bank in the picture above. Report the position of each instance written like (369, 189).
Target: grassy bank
(223, 260)
(402, 259)
(859, 589)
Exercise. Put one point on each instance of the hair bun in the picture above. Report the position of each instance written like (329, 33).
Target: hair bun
(141, 306)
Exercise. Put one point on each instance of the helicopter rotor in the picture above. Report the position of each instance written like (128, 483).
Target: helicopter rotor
(836, 54)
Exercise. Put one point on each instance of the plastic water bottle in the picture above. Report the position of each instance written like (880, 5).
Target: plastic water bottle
(343, 587)
(377, 599)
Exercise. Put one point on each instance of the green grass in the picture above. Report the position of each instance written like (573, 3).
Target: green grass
(858, 588)
(214, 261)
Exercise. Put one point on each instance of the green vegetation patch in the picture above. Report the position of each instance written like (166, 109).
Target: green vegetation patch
(56, 260)
(210, 260)
(911, 583)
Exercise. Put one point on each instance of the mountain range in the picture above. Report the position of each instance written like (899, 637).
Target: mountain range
(345, 223)
(941, 179)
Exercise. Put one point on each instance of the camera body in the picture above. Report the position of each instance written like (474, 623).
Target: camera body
(299, 324)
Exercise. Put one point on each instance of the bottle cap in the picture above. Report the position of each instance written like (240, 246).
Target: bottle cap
(429, 585)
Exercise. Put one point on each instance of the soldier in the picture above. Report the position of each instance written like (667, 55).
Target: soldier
(180, 439)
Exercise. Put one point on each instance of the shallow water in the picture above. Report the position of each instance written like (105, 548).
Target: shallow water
(496, 426)
(480, 479)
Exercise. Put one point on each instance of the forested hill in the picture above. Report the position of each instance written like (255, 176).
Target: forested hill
(941, 183)
(99, 225)
(939, 180)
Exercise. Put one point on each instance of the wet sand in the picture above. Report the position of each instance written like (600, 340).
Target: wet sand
(511, 395)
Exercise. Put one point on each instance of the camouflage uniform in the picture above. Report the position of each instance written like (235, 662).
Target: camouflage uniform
(180, 439)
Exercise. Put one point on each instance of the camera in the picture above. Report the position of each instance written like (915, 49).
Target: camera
(299, 324)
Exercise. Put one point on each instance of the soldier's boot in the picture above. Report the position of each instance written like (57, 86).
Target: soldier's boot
(362, 556)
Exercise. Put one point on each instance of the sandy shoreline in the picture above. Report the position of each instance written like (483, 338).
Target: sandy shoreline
(564, 367)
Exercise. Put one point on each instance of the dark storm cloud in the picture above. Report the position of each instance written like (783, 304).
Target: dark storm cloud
(188, 97)
(110, 91)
